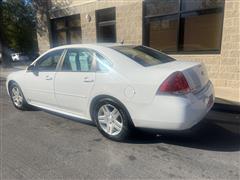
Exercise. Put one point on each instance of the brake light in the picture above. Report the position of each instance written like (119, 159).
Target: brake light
(176, 83)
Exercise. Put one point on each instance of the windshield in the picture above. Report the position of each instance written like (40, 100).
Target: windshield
(143, 55)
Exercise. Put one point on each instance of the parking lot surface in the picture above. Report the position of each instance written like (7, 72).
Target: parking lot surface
(41, 145)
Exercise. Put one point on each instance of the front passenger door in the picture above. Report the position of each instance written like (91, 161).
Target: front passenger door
(40, 87)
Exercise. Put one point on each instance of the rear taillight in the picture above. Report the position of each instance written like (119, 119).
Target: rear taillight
(176, 83)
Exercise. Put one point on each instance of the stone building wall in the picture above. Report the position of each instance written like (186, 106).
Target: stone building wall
(128, 19)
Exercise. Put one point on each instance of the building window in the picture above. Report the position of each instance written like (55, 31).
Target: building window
(184, 26)
(106, 25)
(66, 30)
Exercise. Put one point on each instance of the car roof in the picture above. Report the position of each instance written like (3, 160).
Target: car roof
(119, 60)
(108, 45)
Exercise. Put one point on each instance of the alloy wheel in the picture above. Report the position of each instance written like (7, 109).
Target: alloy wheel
(17, 96)
(110, 119)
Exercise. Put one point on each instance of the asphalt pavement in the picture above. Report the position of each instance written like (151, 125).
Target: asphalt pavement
(41, 145)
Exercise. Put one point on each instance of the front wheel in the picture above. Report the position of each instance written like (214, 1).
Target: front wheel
(112, 120)
(17, 97)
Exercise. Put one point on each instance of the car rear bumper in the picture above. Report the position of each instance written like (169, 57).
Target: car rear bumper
(176, 112)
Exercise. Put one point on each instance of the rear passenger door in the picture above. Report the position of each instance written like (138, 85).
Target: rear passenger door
(75, 80)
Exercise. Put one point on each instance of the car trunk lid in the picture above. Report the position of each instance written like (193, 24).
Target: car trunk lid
(196, 76)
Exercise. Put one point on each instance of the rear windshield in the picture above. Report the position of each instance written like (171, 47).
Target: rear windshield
(143, 55)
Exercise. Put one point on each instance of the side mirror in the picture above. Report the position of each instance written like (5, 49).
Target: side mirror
(32, 68)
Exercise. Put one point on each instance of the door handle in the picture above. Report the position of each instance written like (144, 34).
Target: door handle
(86, 79)
(48, 78)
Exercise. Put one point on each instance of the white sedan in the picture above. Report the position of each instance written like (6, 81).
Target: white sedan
(119, 87)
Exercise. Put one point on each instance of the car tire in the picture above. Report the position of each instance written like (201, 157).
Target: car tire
(112, 127)
(17, 97)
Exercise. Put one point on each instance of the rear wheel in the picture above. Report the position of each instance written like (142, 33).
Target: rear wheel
(112, 120)
(17, 97)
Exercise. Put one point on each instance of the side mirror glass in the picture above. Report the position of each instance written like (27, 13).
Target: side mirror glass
(32, 68)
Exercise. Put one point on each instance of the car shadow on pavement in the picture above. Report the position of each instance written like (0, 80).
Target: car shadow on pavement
(206, 136)
(209, 136)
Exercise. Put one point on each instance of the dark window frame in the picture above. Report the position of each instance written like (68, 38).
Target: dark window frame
(100, 23)
(180, 30)
(67, 29)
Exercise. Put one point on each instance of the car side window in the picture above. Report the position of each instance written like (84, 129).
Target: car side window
(102, 63)
(49, 61)
(78, 60)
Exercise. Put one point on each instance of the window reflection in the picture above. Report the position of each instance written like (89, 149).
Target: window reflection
(61, 38)
(202, 32)
(197, 26)
(163, 34)
(75, 36)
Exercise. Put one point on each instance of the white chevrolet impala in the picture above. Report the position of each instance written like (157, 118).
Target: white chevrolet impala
(119, 87)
